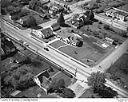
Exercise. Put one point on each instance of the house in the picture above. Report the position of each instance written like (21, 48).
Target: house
(44, 33)
(37, 33)
(55, 27)
(78, 20)
(110, 13)
(109, 40)
(47, 33)
(76, 40)
(116, 13)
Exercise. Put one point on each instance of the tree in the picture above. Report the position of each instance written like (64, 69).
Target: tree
(29, 22)
(91, 15)
(15, 11)
(79, 42)
(25, 2)
(24, 13)
(98, 1)
(20, 78)
(67, 93)
(15, 17)
(96, 80)
(106, 92)
(61, 20)
(107, 27)
(34, 4)
(5, 3)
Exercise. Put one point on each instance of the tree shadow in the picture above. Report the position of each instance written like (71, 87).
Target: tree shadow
(37, 27)
(65, 25)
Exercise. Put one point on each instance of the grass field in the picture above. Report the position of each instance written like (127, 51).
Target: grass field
(89, 53)
(83, 53)
(57, 44)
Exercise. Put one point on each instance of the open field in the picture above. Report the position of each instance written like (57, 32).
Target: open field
(97, 29)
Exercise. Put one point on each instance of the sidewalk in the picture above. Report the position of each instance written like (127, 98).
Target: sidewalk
(79, 88)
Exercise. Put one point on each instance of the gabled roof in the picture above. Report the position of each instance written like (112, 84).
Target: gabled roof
(47, 32)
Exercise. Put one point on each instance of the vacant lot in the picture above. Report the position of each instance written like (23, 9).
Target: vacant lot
(119, 71)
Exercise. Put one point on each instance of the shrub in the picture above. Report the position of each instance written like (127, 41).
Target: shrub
(67, 93)
(107, 27)
(106, 92)
(20, 78)
(96, 80)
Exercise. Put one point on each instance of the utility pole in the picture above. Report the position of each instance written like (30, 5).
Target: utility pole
(75, 71)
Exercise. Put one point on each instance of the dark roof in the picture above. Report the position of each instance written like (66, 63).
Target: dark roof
(46, 74)
(47, 32)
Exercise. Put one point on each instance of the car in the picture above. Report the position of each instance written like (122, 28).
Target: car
(25, 44)
(46, 49)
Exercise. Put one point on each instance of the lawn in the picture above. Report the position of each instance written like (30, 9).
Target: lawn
(83, 53)
(90, 53)
(57, 44)
(119, 71)
(63, 75)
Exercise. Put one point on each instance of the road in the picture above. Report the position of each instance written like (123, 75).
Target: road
(112, 22)
(53, 55)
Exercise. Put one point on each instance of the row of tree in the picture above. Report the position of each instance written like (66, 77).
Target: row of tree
(97, 82)
(19, 78)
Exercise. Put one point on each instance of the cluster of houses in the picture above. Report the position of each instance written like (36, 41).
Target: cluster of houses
(117, 14)
(56, 9)
(78, 20)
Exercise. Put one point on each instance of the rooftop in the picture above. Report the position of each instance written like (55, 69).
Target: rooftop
(47, 32)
